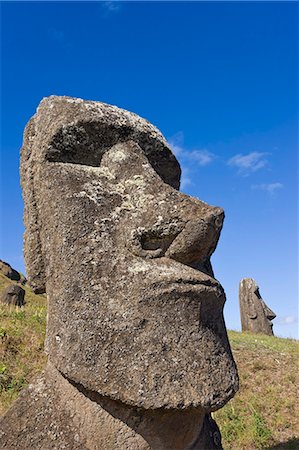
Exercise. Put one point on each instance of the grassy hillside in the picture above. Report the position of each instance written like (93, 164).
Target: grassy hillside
(263, 415)
(265, 412)
(22, 334)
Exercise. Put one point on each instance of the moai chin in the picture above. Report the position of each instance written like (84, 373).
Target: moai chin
(256, 316)
(138, 355)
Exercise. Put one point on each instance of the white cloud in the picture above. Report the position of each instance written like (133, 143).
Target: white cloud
(185, 178)
(202, 157)
(287, 320)
(176, 143)
(111, 6)
(268, 187)
(247, 164)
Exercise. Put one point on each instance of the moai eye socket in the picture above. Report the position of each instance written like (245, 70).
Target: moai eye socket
(257, 293)
(85, 143)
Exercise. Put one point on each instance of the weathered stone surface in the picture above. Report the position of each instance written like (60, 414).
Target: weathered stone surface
(11, 273)
(256, 316)
(13, 295)
(54, 414)
(135, 314)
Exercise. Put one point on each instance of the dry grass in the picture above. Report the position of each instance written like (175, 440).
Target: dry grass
(263, 415)
(265, 411)
(22, 334)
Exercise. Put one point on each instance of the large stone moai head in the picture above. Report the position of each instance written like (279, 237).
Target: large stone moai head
(135, 312)
(256, 316)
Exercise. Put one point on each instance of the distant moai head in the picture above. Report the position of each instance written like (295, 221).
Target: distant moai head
(13, 295)
(135, 312)
(256, 316)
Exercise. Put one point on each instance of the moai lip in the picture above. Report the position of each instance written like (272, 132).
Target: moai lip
(135, 313)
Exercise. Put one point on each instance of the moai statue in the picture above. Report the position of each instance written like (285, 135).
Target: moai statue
(256, 316)
(13, 295)
(138, 355)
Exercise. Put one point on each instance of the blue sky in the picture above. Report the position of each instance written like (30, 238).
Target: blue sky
(218, 79)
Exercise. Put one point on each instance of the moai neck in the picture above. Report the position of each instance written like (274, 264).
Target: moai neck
(114, 425)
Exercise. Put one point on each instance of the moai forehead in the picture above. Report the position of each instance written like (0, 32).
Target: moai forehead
(134, 310)
(77, 131)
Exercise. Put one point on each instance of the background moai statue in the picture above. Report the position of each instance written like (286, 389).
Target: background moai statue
(13, 295)
(138, 355)
(256, 316)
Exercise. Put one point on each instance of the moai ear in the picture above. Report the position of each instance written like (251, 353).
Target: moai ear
(252, 314)
(251, 298)
(35, 268)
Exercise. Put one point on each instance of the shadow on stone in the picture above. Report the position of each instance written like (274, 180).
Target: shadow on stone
(11, 273)
(292, 444)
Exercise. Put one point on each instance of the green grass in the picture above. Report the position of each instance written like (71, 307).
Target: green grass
(263, 415)
(22, 334)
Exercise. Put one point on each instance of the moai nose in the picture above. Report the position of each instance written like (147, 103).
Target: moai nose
(190, 239)
(268, 312)
(198, 239)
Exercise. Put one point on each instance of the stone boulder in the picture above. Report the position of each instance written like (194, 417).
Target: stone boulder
(13, 295)
(256, 316)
